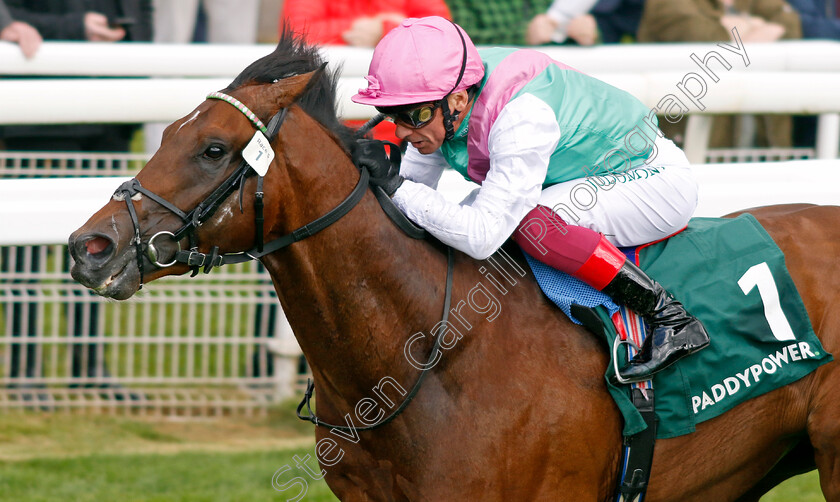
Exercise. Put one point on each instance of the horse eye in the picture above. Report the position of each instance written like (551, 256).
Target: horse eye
(214, 152)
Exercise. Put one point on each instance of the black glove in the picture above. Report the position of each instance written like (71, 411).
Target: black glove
(384, 171)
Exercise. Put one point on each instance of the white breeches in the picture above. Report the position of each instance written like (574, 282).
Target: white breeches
(635, 207)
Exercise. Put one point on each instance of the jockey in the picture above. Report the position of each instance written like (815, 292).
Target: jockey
(568, 165)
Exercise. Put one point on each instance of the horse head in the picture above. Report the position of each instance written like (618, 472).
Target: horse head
(197, 193)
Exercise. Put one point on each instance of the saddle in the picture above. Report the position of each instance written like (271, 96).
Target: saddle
(729, 274)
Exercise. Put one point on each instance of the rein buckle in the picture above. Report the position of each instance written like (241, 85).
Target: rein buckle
(196, 258)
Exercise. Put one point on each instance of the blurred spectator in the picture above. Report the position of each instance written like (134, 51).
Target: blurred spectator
(26, 36)
(360, 23)
(586, 22)
(819, 18)
(94, 21)
(617, 19)
(225, 22)
(565, 19)
(267, 21)
(714, 20)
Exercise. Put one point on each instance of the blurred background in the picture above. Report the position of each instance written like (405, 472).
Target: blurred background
(187, 391)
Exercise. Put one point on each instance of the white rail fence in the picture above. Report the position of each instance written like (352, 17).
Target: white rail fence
(218, 60)
(46, 211)
(219, 344)
(787, 77)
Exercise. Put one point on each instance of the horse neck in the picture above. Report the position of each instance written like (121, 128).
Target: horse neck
(357, 290)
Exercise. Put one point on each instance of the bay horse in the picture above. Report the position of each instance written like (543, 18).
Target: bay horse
(517, 406)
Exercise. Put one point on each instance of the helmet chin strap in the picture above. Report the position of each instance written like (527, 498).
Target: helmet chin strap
(449, 117)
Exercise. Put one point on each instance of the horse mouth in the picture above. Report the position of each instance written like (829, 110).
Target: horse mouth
(122, 282)
(102, 289)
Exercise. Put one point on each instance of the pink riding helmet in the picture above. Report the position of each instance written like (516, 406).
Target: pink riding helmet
(420, 61)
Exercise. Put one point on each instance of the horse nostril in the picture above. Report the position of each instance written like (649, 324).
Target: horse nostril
(97, 245)
(93, 250)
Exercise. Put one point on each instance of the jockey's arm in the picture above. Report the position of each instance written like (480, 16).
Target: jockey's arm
(425, 169)
(521, 142)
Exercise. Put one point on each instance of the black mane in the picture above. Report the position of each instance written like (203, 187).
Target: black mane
(294, 57)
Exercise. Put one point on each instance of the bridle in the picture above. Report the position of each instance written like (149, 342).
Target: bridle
(205, 210)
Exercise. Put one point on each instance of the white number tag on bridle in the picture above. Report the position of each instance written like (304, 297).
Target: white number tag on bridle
(258, 154)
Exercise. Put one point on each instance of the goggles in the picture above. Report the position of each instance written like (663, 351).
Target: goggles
(415, 117)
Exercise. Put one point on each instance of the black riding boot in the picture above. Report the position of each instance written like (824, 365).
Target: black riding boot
(673, 333)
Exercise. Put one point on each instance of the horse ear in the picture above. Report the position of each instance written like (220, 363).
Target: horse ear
(284, 92)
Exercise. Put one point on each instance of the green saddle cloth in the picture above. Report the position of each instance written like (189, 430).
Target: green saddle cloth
(732, 276)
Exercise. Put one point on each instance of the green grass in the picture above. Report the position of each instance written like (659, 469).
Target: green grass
(191, 476)
(49, 457)
(201, 476)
